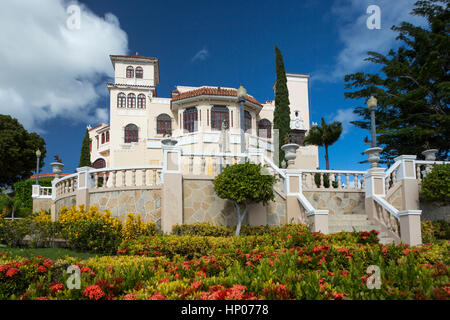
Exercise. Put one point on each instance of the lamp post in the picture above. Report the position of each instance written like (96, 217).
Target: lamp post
(372, 104)
(373, 152)
(241, 94)
(38, 156)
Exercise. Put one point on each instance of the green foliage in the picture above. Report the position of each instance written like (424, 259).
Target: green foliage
(433, 231)
(18, 151)
(292, 263)
(12, 206)
(413, 87)
(91, 235)
(326, 181)
(85, 154)
(23, 190)
(324, 136)
(244, 183)
(12, 232)
(436, 184)
(202, 229)
(281, 114)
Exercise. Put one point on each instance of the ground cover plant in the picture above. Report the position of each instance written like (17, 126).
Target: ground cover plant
(285, 262)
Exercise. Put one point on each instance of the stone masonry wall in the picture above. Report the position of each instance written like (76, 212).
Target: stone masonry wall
(338, 203)
(65, 202)
(201, 204)
(147, 202)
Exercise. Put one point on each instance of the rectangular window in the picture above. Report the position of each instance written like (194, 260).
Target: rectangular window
(107, 136)
(231, 118)
(219, 114)
(190, 119)
(297, 136)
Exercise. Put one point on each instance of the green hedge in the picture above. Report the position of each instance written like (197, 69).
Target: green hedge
(23, 190)
(436, 185)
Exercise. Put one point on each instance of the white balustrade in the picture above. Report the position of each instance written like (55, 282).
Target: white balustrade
(331, 180)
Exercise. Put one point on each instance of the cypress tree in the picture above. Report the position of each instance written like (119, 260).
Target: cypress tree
(85, 156)
(281, 118)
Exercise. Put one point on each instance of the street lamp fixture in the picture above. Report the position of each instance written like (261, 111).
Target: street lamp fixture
(38, 155)
(241, 94)
(372, 104)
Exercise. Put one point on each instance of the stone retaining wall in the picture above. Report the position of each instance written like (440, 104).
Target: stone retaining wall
(147, 202)
(337, 202)
(201, 204)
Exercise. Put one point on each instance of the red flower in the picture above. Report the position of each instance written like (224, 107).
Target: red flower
(338, 295)
(12, 272)
(157, 296)
(93, 292)
(406, 252)
(85, 269)
(163, 280)
(344, 273)
(130, 296)
(42, 269)
(48, 263)
(288, 236)
(331, 274)
(55, 287)
(43, 298)
(3, 268)
(384, 250)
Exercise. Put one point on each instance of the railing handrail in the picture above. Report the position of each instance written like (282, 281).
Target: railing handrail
(274, 167)
(387, 206)
(214, 154)
(300, 171)
(392, 168)
(124, 168)
(66, 178)
(431, 162)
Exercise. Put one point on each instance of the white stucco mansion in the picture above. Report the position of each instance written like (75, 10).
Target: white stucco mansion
(139, 119)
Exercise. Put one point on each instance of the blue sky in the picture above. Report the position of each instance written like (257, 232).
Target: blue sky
(197, 43)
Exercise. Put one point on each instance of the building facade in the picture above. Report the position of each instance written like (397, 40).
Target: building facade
(202, 119)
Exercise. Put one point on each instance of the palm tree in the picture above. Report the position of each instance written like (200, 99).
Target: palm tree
(324, 136)
(9, 205)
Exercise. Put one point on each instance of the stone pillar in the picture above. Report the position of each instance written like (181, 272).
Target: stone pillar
(318, 221)
(172, 193)
(374, 179)
(85, 182)
(410, 226)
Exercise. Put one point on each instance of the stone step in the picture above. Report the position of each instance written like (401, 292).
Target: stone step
(351, 217)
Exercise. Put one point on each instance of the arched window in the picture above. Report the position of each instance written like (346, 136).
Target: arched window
(190, 119)
(99, 163)
(218, 115)
(130, 72)
(163, 124)
(141, 101)
(139, 72)
(107, 136)
(247, 121)
(103, 138)
(131, 133)
(121, 100)
(264, 128)
(131, 100)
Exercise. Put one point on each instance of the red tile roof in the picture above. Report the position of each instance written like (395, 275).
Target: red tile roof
(210, 91)
(46, 175)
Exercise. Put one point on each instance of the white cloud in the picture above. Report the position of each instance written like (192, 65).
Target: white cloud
(345, 116)
(203, 54)
(50, 71)
(357, 39)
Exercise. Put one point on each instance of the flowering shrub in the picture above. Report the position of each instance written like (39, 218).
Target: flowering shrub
(287, 264)
(135, 227)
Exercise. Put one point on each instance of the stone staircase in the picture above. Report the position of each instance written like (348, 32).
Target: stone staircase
(357, 222)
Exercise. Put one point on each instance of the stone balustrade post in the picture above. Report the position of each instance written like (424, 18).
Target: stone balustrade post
(172, 190)
(410, 226)
(85, 182)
